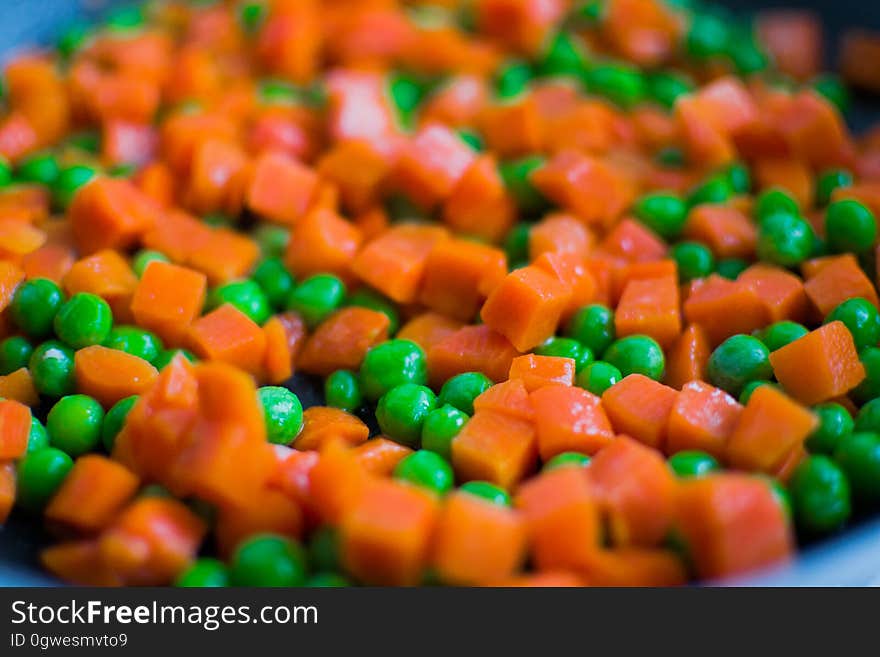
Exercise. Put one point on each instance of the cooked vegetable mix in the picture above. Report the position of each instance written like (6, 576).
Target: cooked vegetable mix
(590, 289)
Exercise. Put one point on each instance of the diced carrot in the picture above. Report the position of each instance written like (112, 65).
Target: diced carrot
(512, 128)
(494, 447)
(635, 567)
(518, 24)
(706, 143)
(427, 329)
(109, 375)
(724, 229)
(814, 130)
(223, 255)
(840, 278)
(80, 562)
(526, 307)
(19, 385)
(92, 494)
(781, 292)
(568, 419)
(539, 371)
(786, 173)
(15, 426)
(509, 397)
(467, 521)
(769, 428)
(228, 335)
(820, 366)
(18, 238)
(167, 299)
(631, 241)
(51, 261)
(10, 277)
(793, 38)
(703, 418)
(732, 524)
(324, 242)
(322, 424)
(336, 482)
(281, 188)
(562, 517)
(107, 275)
(267, 511)
(639, 407)
(357, 169)
(341, 341)
(573, 272)
(560, 232)
(379, 456)
(110, 213)
(278, 359)
(650, 307)
(479, 203)
(470, 349)
(124, 142)
(385, 536)
(7, 490)
(724, 308)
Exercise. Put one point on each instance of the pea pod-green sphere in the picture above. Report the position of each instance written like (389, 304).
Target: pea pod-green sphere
(403, 410)
(390, 364)
(637, 354)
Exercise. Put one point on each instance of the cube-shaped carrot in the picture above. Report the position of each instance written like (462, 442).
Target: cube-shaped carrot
(322, 424)
(769, 428)
(325, 242)
(572, 271)
(15, 426)
(821, 365)
(634, 271)
(724, 229)
(167, 299)
(341, 341)
(228, 335)
(467, 521)
(650, 307)
(10, 276)
(840, 278)
(385, 536)
(781, 292)
(495, 447)
(281, 188)
(109, 375)
(357, 168)
(688, 358)
(513, 128)
(639, 407)
(7, 489)
(106, 274)
(635, 566)
(569, 419)
(702, 418)
(562, 516)
(538, 371)
(724, 308)
(109, 213)
(224, 255)
(510, 397)
(632, 241)
(379, 456)
(470, 349)
(560, 232)
(18, 238)
(526, 307)
(19, 386)
(480, 204)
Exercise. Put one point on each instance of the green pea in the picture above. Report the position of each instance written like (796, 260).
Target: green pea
(708, 36)
(426, 469)
(114, 420)
(316, 297)
(462, 389)
(5, 170)
(251, 16)
(784, 239)
(779, 334)
(516, 244)
(637, 354)
(41, 168)
(142, 258)
(829, 181)
(666, 87)
(564, 56)
(278, 92)
(69, 181)
(746, 55)
(566, 348)
(858, 455)
(861, 318)
(516, 175)
(367, 298)
(820, 495)
(271, 239)
(402, 411)
(566, 459)
(869, 388)
(72, 38)
(84, 319)
(327, 580)
(125, 18)
(86, 140)
(512, 79)
(40, 474)
(593, 327)
(832, 87)
(835, 423)
(268, 560)
(739, 177)
(51, 367)
(590, 12)
(671, 157)
(622, 84)
(749, 389)
(247, 296)
(274, 280)
(34, 306)
(38, 437)
(731, 268)
(282, 412)
(441, 426)
(75, 423)
(15, 352)
(868, 417)
(738, 360)
(390, 364)
(135, 341)
(713, 190)
(343, 390)
(693, 463)
(406, 93)
(166, 356)
(663, 213)
(203, 573)
(775, 201)
(323, 549)
(598, 377)
(850, 226)
(693, 259)
(472, 139)
(487, 491)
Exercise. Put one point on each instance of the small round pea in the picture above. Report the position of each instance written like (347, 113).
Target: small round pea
(868, 417)
(516, 175)
(598, 377)
(34, 306)
(271, 239)
(472, 139)
(282, 412)
(366, 298)
(487, 491)
(512, 79)
(749, 389)
(832, 87)
(40, 168)
(125, 18)
(70, 180)
(402, 411)
(693, 463)
(268, 560)
(5, 169)
(820, 495)
(779, 334)
(869, 388)
(15, 352)
(461, 390)
(203, 573)
(622, 84)
(739, 177)
(707, 37)
(516, 243)
(828, 182)
(637, 354)
(114, 420)
(783, 497)
(738, 360)
(715, 189)
(441, 426)
(84, 319)
(665, 88)
(39, 475)
(694, 260)
(144, 257)
(247, 296)
(566, 459)
(775, 201)
(38, 437)
(861, 318)
(663, 213)
(274, 280)
(593, 327)
(323, 549)
(51, 367)
(167, 355)
(251, 15)
(316, 297)
(858, 455)
(850, 226)
(671, 157)
(784, 239)
(74, 424)
(426, 469)
(563, 56)
(566, 348)
(730, 268)
(390, 364)
(343, 390)
(835, 423)
(135, 341)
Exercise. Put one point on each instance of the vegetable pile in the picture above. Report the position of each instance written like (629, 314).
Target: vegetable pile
(591, 288)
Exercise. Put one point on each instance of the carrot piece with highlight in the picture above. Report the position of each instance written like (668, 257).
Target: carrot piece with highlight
(639, 407)
(325, 242)
(228, 335)
(724, 308)
(703, 418)
(840, 278)
(724, 229)
(7, 490)
(568, 419)
(322, 424)
(379, 456)
(167, 299)
(479, 203)
(427, 329)
(10, 277)
(650, 307)
(15, 426)
(495, 447)
(341, 341)
(688, 358)
(781, 292)
(109, 375)
(281, 188)
(538, 371)
(510, 397)
(470, 349)
(19, 386)
(110, 213)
